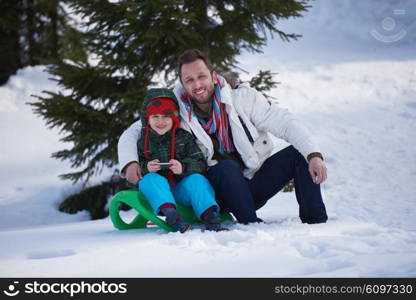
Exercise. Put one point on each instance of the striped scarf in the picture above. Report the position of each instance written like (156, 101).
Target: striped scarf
(218, 123)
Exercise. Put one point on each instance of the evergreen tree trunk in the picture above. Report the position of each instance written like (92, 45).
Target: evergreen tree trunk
(9, 54)
(10, 50)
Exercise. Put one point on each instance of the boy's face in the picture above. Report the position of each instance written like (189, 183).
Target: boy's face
(197, 81)
(160, 123)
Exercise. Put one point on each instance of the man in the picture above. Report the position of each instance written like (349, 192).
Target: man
(231, 127)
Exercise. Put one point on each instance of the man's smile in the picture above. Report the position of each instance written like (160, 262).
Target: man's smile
(199, 92)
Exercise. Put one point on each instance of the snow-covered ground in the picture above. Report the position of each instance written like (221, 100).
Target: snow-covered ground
(362, 109)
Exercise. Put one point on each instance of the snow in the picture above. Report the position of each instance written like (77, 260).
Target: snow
(359, 103)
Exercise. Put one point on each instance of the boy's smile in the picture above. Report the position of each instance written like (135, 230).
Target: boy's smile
(160, 123)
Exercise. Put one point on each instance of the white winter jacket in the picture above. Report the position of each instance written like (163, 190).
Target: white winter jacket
(259, 116)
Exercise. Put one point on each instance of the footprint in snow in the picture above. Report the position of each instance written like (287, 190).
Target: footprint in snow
(50, 254)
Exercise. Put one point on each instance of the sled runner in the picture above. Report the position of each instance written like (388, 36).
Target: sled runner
(138, 202)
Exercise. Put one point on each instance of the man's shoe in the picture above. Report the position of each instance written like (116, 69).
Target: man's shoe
(258, 221)
(314, 220)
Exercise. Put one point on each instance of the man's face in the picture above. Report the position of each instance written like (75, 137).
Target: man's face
(197, 81)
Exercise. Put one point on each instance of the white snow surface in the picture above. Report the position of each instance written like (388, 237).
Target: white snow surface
(362, 109)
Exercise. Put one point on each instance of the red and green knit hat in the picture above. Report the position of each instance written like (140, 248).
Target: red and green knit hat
(153, 106)
(163, 106)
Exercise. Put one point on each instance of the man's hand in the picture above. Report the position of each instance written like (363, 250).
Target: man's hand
(317, 169)
(133, 173)
(176, 166)
(153, 166)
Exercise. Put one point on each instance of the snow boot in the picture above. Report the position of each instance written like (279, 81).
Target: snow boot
(175, 219)
(212, 220)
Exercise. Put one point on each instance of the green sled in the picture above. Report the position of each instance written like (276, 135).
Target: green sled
(136, 200)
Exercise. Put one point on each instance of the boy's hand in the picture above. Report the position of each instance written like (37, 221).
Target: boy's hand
(133, 173)
(176, 166)
(153, 166)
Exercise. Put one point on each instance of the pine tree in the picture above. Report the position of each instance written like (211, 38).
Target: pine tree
(132, 43)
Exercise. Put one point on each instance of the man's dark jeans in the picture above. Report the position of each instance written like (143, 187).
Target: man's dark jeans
(242, 197)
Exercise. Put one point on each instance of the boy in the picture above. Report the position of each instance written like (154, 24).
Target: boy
(173, 164)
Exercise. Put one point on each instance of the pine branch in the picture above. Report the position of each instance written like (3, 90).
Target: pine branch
(263, 82)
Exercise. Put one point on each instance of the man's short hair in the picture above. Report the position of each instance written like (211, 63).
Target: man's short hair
(190, 56)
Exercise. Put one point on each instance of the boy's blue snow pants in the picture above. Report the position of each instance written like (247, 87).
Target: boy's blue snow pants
(193, 190)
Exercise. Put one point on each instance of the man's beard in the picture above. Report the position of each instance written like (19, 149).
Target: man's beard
(203, 101)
